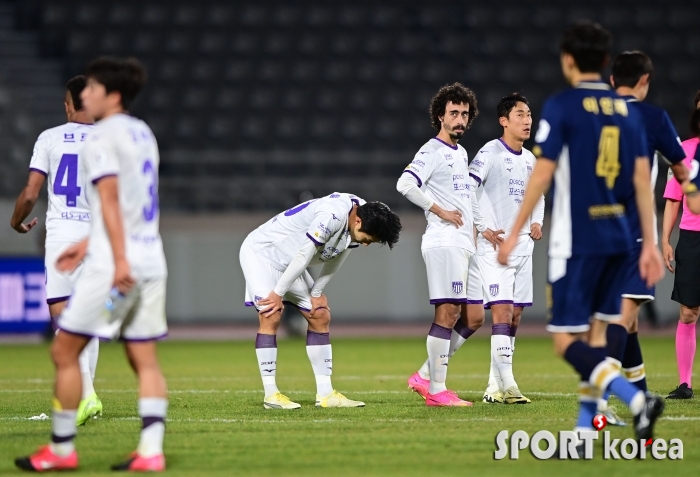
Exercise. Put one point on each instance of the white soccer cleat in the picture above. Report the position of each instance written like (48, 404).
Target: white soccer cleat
(612, 417)
(335, 399)
(493, 397)
(514, 396)
(279, 401)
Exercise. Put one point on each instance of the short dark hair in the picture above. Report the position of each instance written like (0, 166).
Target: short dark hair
(75, 86)
(589, 43)
(127, 76)
(508, 102)
(695, 123)
(456, 93)
(697, 99)
(628, 68)
(380, 222)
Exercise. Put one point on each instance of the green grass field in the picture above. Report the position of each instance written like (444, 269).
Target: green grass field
(217, 425)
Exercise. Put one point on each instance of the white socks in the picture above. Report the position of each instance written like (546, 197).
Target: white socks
(63, 431)
(438, 344)
(320, 353)
(502, 355)
(459, 335)
(88, 365)
(152, 411)
(266, 351)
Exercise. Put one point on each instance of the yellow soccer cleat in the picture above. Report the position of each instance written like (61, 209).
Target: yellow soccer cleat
(335, 399)
(514, 396)
(279, 401)
(493, 397)
(89, 407)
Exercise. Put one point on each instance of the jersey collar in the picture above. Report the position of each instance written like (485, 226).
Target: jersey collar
(630, 99)
(600, 85)
(446, 144)
(512, 151)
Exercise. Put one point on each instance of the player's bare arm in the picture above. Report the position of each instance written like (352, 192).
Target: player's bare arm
(670, 216)
(69, 260)
(650, 263)
(108, 188)
(25, 203)
(540, 181)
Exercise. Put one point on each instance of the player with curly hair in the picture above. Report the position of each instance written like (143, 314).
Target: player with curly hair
(438, 182)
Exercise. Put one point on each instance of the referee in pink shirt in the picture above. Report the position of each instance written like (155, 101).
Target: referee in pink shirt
(686, 284)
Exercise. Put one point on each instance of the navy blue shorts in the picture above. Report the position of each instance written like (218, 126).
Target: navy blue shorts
(581, 287)
(634, 286)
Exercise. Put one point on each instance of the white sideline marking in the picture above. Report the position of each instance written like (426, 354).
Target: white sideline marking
(259, 391)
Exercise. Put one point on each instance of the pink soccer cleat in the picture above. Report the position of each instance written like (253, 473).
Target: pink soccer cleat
(45, 460)
(446, 398)
(419, 385)
(137, 463)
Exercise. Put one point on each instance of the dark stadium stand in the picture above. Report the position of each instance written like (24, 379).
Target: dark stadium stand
(255, 102)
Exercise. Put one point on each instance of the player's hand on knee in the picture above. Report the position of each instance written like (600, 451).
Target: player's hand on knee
(271, 305)
(122, 276)
(494, 236)
(651, 265)
(318, 303)
(536, 231)
(667, 252)
(71, 257)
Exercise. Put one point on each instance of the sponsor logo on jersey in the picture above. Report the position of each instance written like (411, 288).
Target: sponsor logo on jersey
(418, 162)
(508, 160)
(68, 137)
(448, 157)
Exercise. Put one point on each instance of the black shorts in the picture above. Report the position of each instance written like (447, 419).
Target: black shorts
(686, 283)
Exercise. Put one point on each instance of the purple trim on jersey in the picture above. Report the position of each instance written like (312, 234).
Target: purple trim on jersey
(475, 302)
(439, 301)
(84, 124)
(317, 339)
(420, 182)
(313, 239)
(265, 341)
(476, 178)
(517, 153)
(95, 181)
(500, 329)
(38, 170)
(448, 145)
(355, 201)
(437, 331)
(249, 303)
(498, 302)
(52, 301)
(143, 340)
(522, 305)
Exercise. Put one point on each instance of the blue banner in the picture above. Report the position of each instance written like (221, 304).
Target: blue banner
(23, 307)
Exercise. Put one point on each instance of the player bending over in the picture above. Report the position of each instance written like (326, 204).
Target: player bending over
(502, 169)
(123, 250)
(594, 148)
(438, 182)
(56, 158)
(274, 258)
(631, 77)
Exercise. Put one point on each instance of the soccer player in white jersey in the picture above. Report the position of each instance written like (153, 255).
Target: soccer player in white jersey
(502, 169)
(56, 160)
(123, 250)
(438, 182)
(274, 258)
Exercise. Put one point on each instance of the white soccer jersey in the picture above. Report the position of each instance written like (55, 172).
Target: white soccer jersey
(324, 221)
(442, 172)
(123, 146)
(56, 155)
(503, 174)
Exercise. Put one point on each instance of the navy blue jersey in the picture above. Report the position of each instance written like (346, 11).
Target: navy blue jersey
(663, 139)
(595, 139)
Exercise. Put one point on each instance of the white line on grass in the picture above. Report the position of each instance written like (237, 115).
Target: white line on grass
(259, 391)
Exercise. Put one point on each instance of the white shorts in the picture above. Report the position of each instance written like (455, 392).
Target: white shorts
(450, 274)
(261, 278)
(506, 284)
(59, 285)
(86, 314)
